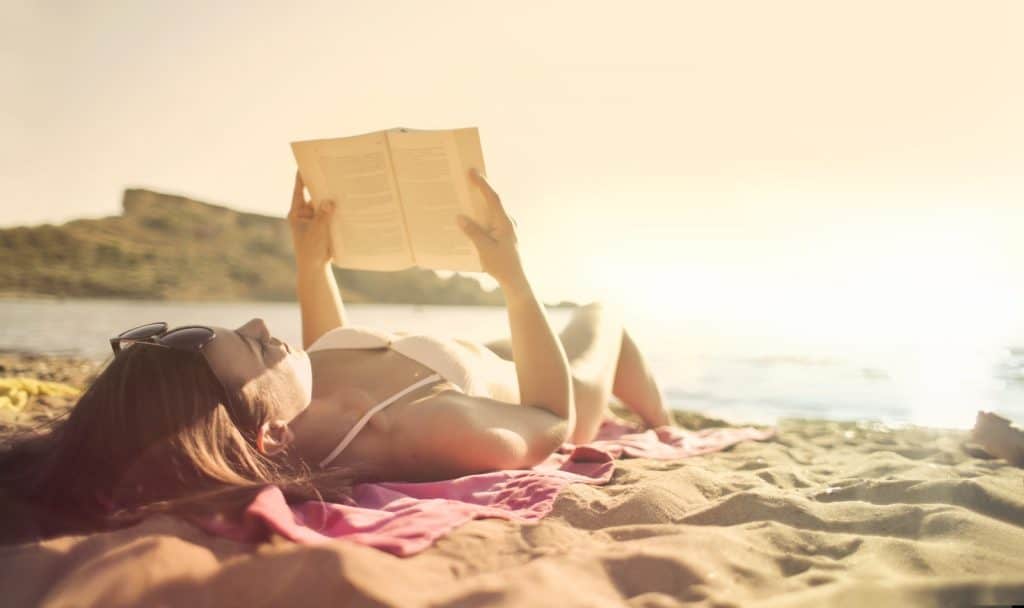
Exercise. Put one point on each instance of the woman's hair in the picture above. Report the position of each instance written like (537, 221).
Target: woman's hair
(153, 432)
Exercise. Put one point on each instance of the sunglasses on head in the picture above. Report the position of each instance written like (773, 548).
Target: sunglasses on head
(189, 338)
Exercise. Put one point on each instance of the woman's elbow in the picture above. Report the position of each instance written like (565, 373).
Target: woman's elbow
(510, 450)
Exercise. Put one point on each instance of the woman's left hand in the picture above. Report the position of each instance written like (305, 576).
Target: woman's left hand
(311, 236)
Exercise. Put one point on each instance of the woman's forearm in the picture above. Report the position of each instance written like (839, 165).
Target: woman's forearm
(319, 301)
(541, 366)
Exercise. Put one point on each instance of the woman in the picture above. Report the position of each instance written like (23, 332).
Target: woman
(179, 419)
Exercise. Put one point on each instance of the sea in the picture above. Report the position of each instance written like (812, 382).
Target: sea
(738, 374)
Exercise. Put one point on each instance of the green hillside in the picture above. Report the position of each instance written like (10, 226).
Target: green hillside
(171, 247)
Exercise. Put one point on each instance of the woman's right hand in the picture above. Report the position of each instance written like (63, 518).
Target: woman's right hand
(497, 244)
(310, 228)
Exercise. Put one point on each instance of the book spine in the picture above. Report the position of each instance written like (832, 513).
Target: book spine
(401, 200)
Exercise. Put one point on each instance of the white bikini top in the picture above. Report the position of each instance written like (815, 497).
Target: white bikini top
(446, 357)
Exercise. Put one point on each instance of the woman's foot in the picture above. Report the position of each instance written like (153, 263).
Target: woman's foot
(636, 387)
(998, 438)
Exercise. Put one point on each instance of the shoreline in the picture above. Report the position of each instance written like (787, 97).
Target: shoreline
(78, 370)
(721, 371)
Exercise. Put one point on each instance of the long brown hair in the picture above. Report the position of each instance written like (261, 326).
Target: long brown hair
(154, 432)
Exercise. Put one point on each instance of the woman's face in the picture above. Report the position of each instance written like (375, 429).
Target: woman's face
(249, 359)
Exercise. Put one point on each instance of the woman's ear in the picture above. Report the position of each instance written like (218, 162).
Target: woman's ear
(273, 437)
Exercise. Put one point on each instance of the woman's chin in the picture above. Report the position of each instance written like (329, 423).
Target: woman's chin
(303, 373)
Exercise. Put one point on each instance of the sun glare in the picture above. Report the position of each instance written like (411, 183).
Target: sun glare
(936, 297)
(940, 280)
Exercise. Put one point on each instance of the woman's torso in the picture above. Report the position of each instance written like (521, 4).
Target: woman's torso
(349, 381)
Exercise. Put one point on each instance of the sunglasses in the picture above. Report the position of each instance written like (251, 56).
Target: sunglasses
(189, 338)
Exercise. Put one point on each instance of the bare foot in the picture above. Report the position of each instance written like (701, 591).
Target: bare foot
(998, 438)
(635, 385)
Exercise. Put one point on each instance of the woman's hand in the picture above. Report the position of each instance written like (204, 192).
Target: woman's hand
(496, 245)
(310, 228)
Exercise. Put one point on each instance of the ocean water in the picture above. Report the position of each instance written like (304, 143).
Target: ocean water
(740, 374)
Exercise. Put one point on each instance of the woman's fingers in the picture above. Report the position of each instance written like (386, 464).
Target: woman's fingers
(298, 197)
(493, 200)
(323, 214)
(473, 230)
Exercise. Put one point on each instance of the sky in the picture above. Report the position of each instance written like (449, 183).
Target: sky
(813, 166)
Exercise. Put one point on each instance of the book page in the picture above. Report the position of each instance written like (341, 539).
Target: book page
(435, 188)
(368, 231)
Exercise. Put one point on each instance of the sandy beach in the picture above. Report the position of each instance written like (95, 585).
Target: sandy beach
(826, 514)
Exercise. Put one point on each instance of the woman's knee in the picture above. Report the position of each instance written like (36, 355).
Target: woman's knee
(600, 307)
(589, 331)
(502, 348)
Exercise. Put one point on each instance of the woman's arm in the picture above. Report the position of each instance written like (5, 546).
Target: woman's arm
(542, 369)
(319, 302)
(319, 298)
(452, 434)
(541, 366)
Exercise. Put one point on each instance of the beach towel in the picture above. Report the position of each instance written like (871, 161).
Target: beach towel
(406, 518)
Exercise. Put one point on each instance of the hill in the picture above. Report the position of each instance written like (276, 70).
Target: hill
(171, 247)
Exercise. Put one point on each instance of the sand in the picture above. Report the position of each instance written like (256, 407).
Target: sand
(827, 514)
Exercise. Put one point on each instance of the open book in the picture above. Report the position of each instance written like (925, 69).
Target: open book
(396, 194)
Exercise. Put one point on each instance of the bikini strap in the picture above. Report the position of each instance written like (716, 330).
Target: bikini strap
(366, 417)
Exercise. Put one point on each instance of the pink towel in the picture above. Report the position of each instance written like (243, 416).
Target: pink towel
(406, 518)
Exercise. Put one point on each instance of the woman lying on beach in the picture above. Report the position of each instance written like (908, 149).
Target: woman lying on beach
(181, 417)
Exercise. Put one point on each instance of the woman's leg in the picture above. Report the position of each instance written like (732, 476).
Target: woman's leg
(592, 340)
(636, 387)
(603, 360)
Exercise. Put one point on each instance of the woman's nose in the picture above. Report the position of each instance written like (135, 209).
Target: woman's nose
(256, 326)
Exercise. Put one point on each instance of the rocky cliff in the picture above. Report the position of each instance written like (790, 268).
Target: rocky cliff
(171, 247)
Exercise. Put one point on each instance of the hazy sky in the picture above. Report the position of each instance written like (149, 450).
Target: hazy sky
(808, 160)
